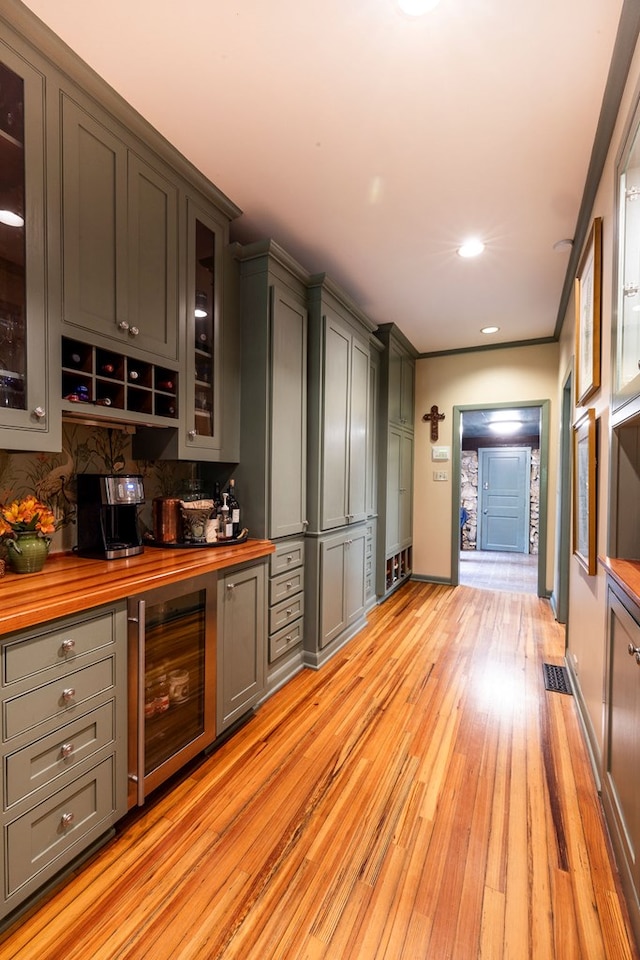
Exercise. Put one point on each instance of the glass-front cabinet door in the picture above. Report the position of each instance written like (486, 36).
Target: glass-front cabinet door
(26, 422)
(203, 399)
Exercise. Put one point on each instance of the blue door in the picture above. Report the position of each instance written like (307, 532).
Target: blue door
(503, 498)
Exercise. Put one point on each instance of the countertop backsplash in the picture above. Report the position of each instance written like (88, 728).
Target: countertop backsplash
(85, 449)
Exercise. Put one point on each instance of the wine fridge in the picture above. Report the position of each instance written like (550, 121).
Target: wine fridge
(172, 680)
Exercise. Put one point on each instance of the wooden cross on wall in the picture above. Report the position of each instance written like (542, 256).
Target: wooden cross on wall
(434, 417)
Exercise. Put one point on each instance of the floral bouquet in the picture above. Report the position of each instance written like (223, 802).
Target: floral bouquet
(26, 515)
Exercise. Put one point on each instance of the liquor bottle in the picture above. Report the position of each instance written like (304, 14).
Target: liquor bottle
(162, 694)
(234, 508)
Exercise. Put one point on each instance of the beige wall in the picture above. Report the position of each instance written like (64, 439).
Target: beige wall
(587, 595)
(512, 375)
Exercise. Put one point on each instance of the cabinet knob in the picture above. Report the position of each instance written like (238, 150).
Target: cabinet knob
(66, 750)
(634, 652)
(133, 331)
(289, 584)
(68, 646)
(40, 413)
(123, 325)
(231, 586)
(68, 694)
(67, 820)
(192, 434)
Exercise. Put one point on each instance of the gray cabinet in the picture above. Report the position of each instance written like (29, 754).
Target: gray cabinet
(338, 408)
(120, 231)
(621, 755)
(241, 641)
(335, 599)
(286, 611)
(395, 459)
(64, 745)
(29, 347)
(272, 473)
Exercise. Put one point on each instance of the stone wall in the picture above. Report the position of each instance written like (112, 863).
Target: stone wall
(469, 500)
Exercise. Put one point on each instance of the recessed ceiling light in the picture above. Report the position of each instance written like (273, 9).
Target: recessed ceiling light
(416, 8)
(505, 427)
(471, 248)
(489, 329)
(11, 219)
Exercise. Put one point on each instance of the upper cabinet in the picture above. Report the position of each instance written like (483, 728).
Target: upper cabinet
(401, 381)
(120, 239)
(29, 409)
(338, 407)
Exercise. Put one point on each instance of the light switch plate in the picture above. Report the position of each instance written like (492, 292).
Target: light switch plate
(440, 453)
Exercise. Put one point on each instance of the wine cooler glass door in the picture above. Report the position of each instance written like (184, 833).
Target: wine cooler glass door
(175, 683)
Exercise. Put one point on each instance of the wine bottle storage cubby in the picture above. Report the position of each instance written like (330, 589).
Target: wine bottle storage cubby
(101, 378)
(398, 568)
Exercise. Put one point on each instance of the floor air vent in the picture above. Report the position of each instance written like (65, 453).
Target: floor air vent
(556, 678)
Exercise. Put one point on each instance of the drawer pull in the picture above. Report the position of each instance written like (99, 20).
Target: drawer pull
(67, 820)
(289, 557)
(68, 646)
(66, 750)
(289, 612)
(68, 694)
(289, 584)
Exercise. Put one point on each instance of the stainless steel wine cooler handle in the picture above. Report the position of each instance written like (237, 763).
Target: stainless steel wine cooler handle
(141, 672)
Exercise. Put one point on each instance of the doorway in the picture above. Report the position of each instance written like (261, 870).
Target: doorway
(499, 470)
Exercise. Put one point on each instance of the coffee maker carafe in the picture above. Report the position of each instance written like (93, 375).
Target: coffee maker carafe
(108, 524)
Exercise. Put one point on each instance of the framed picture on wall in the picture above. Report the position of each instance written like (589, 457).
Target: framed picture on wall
(588, 296)
(584, 490)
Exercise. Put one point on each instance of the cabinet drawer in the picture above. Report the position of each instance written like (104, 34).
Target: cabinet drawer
(57, 648)
(282, 641)
(285, 612)
(58, 825)
(58, 699)
(286, 585)
(41, 762)
(288, 555)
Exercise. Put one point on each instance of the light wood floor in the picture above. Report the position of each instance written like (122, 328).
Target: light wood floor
(420, 797)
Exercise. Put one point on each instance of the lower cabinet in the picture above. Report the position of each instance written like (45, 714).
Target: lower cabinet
(335, 595)
(241, 641)
(286, 609)
(621, 759)
(64, 745)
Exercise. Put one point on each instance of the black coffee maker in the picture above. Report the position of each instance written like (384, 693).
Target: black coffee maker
(108, 524)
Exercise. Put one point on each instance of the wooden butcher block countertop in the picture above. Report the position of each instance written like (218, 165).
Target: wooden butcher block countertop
(68, 583)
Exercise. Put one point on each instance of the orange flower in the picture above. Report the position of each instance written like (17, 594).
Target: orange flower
(26, 514)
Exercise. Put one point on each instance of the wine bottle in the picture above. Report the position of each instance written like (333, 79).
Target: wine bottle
(234, 508)
(133, 375)
(108, 369)
(167, 385)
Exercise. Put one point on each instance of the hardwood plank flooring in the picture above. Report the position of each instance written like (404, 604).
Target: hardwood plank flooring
(422, 797)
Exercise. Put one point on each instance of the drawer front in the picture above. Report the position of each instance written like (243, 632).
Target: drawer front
(285, 613)
(58, 825)
(288, 555)
(286, 585)
(56, 648)
(285, 639)
(60, 698)
(41, 762)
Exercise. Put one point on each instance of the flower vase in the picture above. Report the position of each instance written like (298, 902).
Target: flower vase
(28, 552)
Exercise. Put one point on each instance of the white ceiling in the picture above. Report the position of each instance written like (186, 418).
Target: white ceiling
(369, 144)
